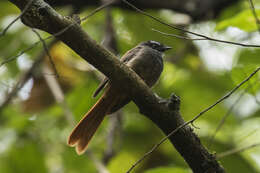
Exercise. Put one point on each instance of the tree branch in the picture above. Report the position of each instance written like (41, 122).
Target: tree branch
(236, 150)
(40, 15)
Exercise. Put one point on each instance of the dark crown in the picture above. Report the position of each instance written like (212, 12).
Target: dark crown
(156, 45)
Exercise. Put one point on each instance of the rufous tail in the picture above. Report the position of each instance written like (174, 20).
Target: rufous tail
(85, 129)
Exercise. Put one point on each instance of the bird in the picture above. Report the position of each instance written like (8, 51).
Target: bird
(146, 61)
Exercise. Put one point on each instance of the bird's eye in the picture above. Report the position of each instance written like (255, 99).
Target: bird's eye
(154, 46)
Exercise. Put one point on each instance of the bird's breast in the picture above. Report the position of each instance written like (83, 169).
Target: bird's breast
(148, 64)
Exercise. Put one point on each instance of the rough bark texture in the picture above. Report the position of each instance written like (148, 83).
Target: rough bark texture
(197, 9)
(40, 15)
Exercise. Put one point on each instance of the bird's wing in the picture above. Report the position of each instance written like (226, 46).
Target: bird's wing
(125, 58)
(101, 86)
(130, 54)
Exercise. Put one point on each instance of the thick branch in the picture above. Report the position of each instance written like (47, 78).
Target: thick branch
(40, 15)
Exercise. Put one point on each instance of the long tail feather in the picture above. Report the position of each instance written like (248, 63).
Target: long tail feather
(84, 131)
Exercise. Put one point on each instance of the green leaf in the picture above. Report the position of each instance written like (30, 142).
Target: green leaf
(248, 61)
(80, 98)
(240, 73)
(7, 9)
(19, 120)
(75, 164)
(231, 11)
(241, 163)
(122, 162)
(25, 157)
(244, 21)
(249, 56)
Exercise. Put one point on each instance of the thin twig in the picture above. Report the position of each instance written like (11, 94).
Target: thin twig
(243, 138)
(17, 18)
(192, 120)
(12, 58)
(227, 95)
(223, 119)
(184, 30)
(257, 21)
(255, 94)
(47, 52)
(178, 36)
(99, 9)
(236, 150)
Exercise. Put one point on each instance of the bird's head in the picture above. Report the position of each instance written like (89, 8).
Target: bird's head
(156, 45)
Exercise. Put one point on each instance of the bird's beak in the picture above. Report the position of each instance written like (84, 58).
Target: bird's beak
(166, 48)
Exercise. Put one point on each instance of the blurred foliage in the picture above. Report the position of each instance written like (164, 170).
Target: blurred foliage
(34, 128)
(244, 20)
(167, 170)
